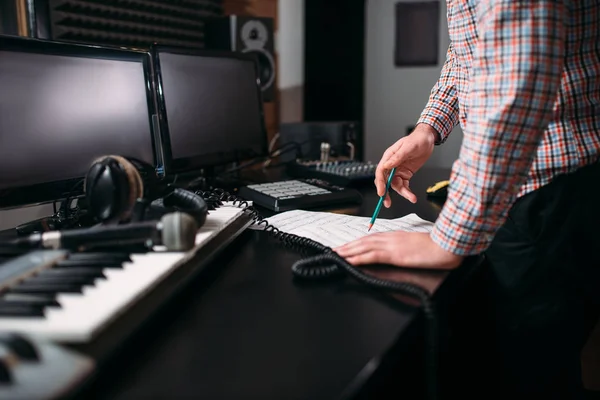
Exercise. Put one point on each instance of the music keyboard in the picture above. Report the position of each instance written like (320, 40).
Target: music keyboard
(72, 297)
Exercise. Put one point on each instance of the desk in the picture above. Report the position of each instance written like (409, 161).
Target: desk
(245, 330)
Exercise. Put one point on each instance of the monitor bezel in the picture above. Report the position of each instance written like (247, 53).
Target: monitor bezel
(205, 161)
(48, 192)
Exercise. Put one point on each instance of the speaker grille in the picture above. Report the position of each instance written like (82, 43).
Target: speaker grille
(132, 23)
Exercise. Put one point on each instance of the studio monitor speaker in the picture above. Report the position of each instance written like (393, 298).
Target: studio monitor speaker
(247, 34)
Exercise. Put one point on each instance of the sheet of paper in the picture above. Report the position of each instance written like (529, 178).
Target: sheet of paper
(335, 230)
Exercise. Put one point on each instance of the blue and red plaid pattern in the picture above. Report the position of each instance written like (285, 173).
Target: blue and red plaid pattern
(523, 80)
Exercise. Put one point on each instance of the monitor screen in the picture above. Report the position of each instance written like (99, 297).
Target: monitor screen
(211, 108)
(60, 111)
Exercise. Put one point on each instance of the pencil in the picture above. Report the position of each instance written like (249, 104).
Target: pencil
(380, 202)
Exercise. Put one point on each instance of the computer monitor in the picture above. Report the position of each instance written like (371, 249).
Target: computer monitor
(61, 107)
(210, 108)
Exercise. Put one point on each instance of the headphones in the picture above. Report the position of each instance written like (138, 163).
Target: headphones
(114, 188)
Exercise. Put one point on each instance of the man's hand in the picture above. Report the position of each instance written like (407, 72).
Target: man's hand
(402, 249)
(407, 155)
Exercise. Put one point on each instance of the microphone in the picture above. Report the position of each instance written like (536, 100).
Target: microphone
(176, 231)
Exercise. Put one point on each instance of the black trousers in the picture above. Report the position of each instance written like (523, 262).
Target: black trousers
(538, 298)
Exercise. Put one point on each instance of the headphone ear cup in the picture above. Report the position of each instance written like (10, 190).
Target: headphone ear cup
(112, 187)
(188, 202)
(106, 189)
(180, 200)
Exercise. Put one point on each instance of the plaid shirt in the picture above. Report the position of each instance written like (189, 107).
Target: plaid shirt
(523, 80)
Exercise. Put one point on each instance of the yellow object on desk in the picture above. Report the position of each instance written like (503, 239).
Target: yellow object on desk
(439, 189)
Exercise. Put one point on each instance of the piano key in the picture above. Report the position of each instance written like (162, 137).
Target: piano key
(108, 256)
(27, 303)
(9, 310)
(50, 288)
(73, 271)
(70, 263)
(75, 280)
(137, 248)
(48, 300)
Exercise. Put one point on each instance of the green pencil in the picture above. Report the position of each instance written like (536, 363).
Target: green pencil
(380, 203)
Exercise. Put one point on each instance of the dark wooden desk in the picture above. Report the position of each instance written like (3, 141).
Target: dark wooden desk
(245, 330)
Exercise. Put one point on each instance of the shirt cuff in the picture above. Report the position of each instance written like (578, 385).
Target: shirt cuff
(440, 117)
(461, 231)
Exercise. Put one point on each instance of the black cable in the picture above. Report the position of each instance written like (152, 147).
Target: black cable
(279, 164)
(66, 205)
(242, 166)
(323, 262)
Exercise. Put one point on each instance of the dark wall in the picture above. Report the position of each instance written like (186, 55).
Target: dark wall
(8, 18)
(334, 60)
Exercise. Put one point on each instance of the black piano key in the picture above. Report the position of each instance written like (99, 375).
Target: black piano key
(21, 311)
(40, 299)
(75, 280)
(73, 271)
(31, 301)
(69, 263)
(49, 288)
(112, 257)
(129, 248)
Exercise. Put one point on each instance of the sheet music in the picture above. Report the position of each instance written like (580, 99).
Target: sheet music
(335, 230)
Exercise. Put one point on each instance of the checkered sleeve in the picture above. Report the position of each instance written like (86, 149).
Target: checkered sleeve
(514, 82)
(441, 111)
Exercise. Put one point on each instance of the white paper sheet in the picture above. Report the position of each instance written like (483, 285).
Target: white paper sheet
(337, 229)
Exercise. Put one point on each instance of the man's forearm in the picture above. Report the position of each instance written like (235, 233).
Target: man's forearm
(422, 126)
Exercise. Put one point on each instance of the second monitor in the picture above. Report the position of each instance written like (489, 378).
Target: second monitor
(210, 108)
